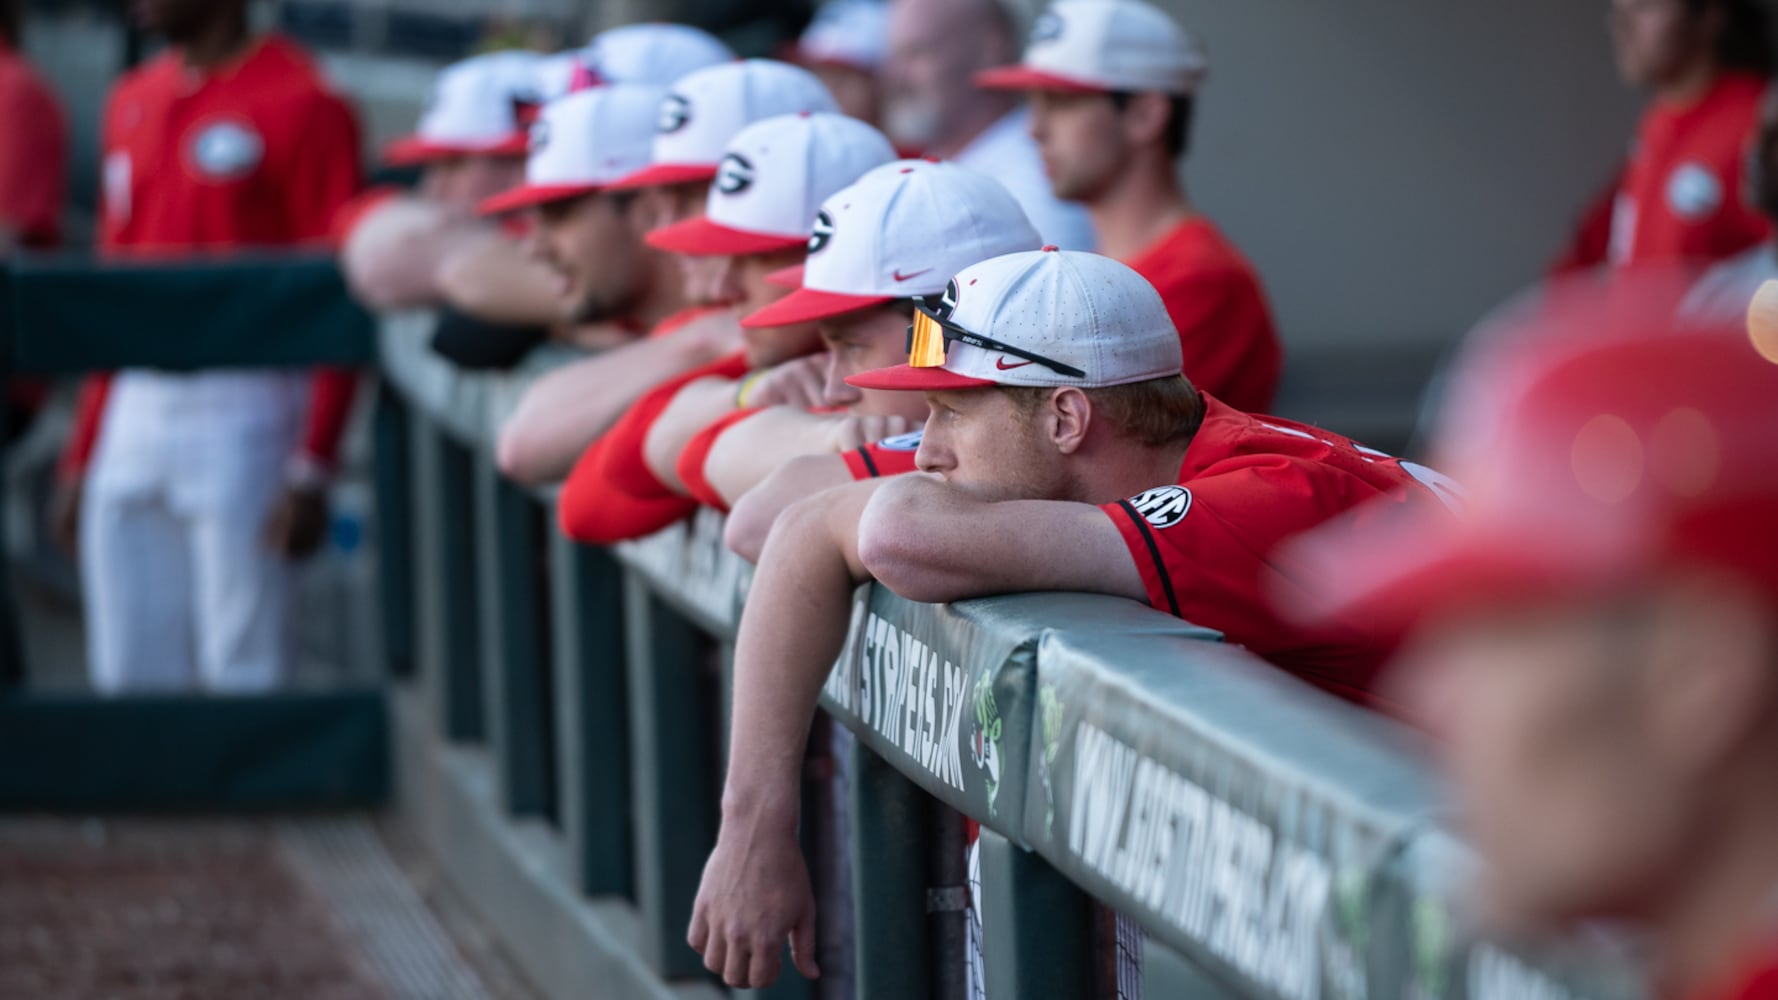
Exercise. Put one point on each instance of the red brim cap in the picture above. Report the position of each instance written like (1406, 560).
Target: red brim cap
(700, 237)
(530, 195)
(1024, 78)
(806, 305)
(413, 151)
(787, 277)
(666, 175)
(907, 378)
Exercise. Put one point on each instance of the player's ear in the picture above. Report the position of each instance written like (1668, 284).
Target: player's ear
(1145, 118)
(1071, 415)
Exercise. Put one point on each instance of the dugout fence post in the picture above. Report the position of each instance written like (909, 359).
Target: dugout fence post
(674, 722)
(12, 646)
(587, 658)
(889, 882)
(444, 498)
(516, 682)
(1037, 926)
(392, 470)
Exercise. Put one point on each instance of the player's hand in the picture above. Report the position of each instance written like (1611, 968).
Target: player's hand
(799, 382)
(298, 523)
(851, 432)
(755, 894)
(64, 514)
(712, 335)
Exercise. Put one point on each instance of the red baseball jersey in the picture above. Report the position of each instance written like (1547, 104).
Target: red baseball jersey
(1213, 294)
(1207, 545)
(257, 153)
(1753, 978)
(697, 453)
(888, 457)
(612, 495)
(33, 153)
(1681, 194)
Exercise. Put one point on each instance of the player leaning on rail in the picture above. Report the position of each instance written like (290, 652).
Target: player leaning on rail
(1063, 451)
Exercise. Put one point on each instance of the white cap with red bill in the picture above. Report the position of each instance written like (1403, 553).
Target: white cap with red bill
(657, 52)
(1101, 46)
(582, 143)
(705, 109)
(849, 33)
(1038, 318)
(479, 106)
(771, 183)
(901, 231)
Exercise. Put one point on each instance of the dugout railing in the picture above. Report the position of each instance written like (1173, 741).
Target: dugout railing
(559, 713)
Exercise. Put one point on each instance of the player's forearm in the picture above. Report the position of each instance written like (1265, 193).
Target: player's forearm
(752, 516)
(793, 628)
(696, 407)
(752, 450)
(493, 279)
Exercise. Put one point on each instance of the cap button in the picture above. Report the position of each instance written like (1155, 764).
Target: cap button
(1049, 248)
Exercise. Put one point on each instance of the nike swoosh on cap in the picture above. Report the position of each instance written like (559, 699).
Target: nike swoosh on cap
(1001, 364)
(898, 276)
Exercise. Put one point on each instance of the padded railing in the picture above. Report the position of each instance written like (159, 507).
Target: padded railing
(1269, 841)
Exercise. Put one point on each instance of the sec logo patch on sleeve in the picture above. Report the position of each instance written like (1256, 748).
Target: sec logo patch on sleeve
(1163, 506)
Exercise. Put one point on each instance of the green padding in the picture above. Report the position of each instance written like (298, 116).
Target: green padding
(78, 752)
(691, 569)
(74, 315)
(1215, 799)
(946, 692)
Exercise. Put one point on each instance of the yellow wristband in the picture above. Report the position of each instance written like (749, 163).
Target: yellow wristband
(746, 388)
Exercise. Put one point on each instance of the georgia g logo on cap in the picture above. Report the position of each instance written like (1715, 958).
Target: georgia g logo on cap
(538, 137)
(1047, 28)
(734, 174)
(675, 112)
(947, 303)
(822, 233)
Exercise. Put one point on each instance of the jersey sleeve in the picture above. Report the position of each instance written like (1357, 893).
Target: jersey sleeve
(83, 437)
(697, 453)
(888, 457)
(1590, 244)
(325, 174)
(331, 392)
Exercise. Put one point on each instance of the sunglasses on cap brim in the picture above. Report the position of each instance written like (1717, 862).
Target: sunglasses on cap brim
(930, 335)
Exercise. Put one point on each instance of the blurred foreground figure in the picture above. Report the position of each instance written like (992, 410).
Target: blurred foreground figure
(204, 486)
(1679, 196)
(33, 146)
(1595, 643)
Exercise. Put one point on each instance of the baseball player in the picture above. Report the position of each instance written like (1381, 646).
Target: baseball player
(1065, 453)
(879, 245)
(931, 107)
(845, 45)
(1594, 643)
(1112, 85)
(762, 206)
(567, 409)
(203, 487)
(1679, 197)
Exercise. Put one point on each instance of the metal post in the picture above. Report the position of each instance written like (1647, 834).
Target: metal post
(889, 831)
(1037, 926)
(673, 722)
(455, 546)
(509, 537)
(395, 540)
(592, 717)
(12, 647)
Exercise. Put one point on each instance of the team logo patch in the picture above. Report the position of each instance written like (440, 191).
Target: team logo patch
(1048, 28)
(947, 303)
(675, 112)
(538, 137)
(903, 442)
(1693, 192)
(225, 151)
(734, 174)
(823, 232)
(1163, 506)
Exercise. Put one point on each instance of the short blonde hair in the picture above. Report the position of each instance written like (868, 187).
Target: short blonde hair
(1155, 413)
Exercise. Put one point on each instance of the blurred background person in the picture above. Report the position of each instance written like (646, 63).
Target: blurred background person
(1112, 88)
(932, 108)
(1723, 293)
(33, 146)
(845, 46)
(1595, 643)
(203, 487)
(1704, 64)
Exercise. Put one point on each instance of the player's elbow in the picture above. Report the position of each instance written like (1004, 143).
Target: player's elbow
(749, 522)
(901, 556)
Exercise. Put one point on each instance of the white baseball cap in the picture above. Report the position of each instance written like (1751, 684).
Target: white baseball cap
(772, 181)
(1099, 46)
(1038, 318)
(900, 232)
(583, 142)
(479, 106)
(705, 109)
(656, 52)
(850, 33)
